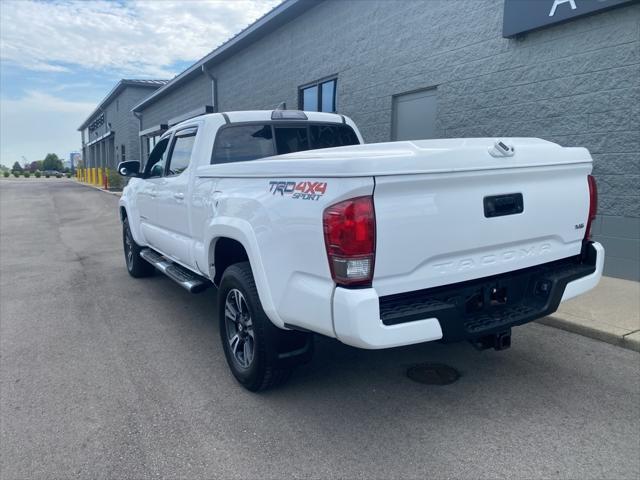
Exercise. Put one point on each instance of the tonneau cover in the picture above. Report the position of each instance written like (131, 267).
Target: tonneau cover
(404, 158)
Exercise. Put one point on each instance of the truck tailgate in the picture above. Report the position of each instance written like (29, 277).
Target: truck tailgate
(441, 228)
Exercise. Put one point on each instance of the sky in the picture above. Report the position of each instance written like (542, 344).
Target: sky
(60, 58)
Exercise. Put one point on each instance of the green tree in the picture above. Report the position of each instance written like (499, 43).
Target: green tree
(52, 162)
(17, 167)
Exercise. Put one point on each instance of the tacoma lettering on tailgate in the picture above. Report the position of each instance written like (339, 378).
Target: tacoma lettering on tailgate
(502, 257)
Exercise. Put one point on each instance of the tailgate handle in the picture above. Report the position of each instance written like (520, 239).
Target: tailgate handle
(501, 205)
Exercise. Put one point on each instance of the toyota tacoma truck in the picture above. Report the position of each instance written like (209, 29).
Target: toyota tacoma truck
(305, 230)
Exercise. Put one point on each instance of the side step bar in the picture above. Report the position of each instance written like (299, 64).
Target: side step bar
(183, 277)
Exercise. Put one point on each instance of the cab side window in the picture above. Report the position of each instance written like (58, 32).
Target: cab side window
(181, 151)
(239, 143)
(157, 159)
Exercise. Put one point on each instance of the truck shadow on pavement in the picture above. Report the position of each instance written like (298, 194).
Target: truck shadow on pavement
(340, 368)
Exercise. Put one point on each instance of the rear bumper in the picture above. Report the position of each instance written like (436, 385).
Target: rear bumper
(466, 310)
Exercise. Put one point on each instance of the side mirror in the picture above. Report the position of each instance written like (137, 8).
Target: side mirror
(130, 168)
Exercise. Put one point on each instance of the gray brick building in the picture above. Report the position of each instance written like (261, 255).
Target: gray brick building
(111, 131)
(445, 68)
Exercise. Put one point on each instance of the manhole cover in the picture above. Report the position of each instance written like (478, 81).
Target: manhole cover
(433, 374)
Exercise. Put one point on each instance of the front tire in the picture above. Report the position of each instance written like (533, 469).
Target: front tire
(136, 265)
(257, 352)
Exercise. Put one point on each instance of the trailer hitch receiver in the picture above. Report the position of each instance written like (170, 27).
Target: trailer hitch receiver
(497, 341)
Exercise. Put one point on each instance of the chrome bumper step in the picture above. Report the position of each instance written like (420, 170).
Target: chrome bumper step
(183, 277)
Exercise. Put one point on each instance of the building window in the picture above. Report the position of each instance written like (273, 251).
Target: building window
(122, 154)
(150, 142)
(318, 96)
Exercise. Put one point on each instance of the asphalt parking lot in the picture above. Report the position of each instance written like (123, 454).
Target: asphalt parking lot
(105, 376)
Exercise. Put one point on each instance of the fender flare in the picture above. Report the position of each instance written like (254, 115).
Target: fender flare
(134, 223)
(242, 232)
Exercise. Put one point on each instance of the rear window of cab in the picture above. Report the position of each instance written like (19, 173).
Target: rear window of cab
(244, 142)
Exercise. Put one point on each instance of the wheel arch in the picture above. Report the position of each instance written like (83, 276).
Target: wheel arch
(237, 239)
(224, 252)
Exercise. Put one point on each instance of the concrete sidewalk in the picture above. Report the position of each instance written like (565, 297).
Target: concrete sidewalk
(610, 312)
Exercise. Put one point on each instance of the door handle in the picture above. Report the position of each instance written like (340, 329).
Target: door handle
(152, 193)
(178, 196)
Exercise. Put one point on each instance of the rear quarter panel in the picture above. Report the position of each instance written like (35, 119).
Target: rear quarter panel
(281, 229)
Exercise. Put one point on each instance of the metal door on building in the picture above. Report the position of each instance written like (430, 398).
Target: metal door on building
(414, 115)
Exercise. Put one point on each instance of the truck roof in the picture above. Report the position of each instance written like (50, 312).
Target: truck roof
(266, 116)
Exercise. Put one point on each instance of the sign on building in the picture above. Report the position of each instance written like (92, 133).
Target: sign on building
(525, 15)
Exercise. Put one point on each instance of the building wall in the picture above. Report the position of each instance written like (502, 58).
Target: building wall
(193, 94)
(577, 84)
(123, 123)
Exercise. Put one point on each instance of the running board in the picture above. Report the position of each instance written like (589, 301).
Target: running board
(183, 277)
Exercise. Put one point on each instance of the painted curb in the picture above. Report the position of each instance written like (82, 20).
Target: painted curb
(117, 194)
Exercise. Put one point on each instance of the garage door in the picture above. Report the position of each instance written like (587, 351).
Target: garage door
(414, 115)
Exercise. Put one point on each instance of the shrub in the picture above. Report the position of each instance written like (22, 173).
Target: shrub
(16, 174)
(116, 181)
(26, 174)
(6, 173)
(46, 175)
(58, 175)
(68, 175)
(37, 174)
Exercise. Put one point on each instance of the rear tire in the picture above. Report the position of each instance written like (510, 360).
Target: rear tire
(136, 265)
(257, 352)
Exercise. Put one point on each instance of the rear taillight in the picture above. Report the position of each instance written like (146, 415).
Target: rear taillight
(593, 205)
(350, 239)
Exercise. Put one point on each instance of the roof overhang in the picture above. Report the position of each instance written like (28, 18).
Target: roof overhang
(280, 15)
(153, 131)
(100, 138)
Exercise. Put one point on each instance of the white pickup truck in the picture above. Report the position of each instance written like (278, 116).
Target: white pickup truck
(304, 229)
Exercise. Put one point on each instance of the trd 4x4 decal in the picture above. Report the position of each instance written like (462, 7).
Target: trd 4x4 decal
(302, 190)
